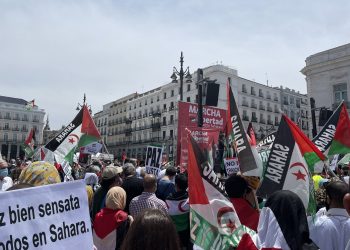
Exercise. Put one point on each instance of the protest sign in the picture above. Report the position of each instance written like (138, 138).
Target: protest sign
(47, 217)
(92, 148)
(231, 166)
(153, 160)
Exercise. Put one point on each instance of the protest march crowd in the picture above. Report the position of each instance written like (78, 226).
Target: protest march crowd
(130, 209)
(296, 199)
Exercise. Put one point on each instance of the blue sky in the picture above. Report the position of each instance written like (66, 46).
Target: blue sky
(55, 51)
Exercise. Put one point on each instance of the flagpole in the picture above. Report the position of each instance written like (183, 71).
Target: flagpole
(105, 147)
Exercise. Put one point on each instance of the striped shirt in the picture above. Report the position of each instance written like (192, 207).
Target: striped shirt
(144, 201)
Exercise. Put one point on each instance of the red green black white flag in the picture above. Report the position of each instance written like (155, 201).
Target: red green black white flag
(291, 163)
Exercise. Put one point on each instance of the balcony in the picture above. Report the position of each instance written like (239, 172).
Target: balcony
(171, 108)
(261, 95)
(15, 129)
(24, 129)
(171, 122)
(269, 109)
(254, 119)
(245, 118)
(277, 123)
(128, 121)
(275, 99)
(261, 107)
(269, 122)
(157, 114)
(128, 132)
(262, 121)
(7, 117)
(335, 105)
(244, 90)
(16, 118)
(285, 103)
(277, 111)
(245, 104)
(268, 97)
(35, 120)
(156, 126)
(253, 105)
(6, 128)
(252, 93)
(25, 119)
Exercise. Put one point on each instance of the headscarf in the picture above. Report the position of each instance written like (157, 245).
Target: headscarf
(116, 198)
(91, 179)
(287, 220)
(39, 173)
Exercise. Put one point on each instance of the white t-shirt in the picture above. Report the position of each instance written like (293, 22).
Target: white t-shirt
(5, 183)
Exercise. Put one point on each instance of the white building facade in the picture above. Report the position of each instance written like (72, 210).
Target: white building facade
(16, 121)
(151, 118)
(327, 76)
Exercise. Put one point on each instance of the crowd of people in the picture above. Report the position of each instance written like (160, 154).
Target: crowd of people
(130, 209)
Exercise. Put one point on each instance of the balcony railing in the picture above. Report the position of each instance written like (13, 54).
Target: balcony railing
(269, 109)
(261, 107)
(254, 119)
(245, 118)
(245, 103)
(253, 105)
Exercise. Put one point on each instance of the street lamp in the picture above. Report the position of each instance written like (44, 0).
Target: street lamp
(79, 106)
(181, 74)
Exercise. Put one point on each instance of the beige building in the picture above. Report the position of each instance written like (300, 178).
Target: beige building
(17, 118)
(327, 75)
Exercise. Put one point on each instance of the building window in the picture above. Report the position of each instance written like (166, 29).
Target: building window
(157, 98)
(261, 93)
(285, 100)
(291, 100)
(151, 100)
(188, 87)
(244, 88)
(146, 102)
(164, 121)
(171, 119)
(252, 91)
(164, 107)
(188, 99)
(171, 133)
(275, 98)
(164, 134)
(172, 93)
(340, 92)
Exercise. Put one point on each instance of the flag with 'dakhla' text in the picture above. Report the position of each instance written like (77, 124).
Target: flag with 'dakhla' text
(291, 163)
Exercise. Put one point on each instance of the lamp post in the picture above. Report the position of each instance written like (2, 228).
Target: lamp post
(181, 73)
(79, 106)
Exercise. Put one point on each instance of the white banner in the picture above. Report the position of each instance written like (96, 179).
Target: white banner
(48, 217)
(153, 160)
(334, 162)
(231, 166)
(92, 148)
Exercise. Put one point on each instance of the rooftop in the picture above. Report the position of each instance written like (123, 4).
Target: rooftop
(13, 100)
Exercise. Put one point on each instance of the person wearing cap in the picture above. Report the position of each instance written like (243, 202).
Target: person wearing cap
(5, 181)
(111, 177)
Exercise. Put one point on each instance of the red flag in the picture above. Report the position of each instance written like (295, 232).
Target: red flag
(251, 134)
(31, 137)
(88, 126)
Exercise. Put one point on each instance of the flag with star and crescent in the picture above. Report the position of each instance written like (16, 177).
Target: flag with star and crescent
(213, 220)
(80, 132)
(291, 164)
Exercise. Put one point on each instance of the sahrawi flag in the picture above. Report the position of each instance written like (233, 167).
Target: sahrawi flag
(338, 124)
(80, 132)
(249, 161)
(28, 145)
(290, 165)
(213, 219)
(341, 140)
